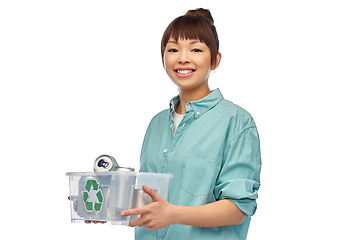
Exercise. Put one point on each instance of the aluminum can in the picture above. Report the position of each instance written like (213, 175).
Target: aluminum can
(105, 163)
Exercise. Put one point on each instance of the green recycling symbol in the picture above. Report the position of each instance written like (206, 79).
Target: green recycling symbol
(92, 196)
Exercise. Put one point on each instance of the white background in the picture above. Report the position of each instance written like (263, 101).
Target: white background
(84, 78)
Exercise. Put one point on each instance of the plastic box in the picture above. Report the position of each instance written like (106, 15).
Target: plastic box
(102, 196)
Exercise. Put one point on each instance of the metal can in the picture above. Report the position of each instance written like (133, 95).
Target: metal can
(123, 169)
(105, 163)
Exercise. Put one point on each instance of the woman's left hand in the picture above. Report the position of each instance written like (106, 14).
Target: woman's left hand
(157, 214)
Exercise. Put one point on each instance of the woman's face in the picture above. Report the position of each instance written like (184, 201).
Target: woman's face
(188, 63)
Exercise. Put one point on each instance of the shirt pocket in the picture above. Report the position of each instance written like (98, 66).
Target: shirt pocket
(200, 172)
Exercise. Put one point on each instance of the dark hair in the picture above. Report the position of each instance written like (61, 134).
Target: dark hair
(195, 25)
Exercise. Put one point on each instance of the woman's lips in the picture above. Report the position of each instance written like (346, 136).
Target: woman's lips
(184, 72)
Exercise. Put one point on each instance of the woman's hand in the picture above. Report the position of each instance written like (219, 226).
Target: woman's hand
(155, 215)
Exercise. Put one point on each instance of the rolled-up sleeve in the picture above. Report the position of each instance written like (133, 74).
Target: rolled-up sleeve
(239, 178)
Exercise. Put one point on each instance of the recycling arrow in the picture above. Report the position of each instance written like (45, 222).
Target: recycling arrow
(92, 196)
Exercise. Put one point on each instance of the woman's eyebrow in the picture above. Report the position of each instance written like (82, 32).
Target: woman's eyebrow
(195, 41)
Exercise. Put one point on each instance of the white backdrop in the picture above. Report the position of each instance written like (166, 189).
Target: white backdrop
(84, 78)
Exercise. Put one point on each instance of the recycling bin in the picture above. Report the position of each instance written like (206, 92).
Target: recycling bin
(102, 196)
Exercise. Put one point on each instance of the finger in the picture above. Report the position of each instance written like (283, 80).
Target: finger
(141, 222)
(96, 222)
(151, 192)
(135, 211)
(72, 198)
(133, 223)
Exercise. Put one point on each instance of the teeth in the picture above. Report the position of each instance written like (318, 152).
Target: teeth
(184, 71)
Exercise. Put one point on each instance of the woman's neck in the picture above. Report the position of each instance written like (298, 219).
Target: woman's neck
(187, 96)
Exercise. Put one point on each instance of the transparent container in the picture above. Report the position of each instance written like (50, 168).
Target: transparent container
(102, 196)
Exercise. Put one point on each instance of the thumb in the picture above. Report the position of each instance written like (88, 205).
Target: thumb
(151, 193)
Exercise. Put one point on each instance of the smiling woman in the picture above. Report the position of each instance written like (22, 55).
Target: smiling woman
(209, 144)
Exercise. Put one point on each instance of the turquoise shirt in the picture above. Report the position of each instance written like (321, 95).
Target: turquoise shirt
(213, 155)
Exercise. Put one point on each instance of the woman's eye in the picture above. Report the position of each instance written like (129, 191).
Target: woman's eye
(173, 50)
(196, 50)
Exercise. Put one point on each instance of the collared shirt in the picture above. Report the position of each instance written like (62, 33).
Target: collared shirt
(213, 155)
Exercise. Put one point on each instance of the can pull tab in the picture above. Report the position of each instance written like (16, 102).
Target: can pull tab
(102, 163)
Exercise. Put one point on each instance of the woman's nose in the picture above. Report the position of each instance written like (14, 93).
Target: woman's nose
(183, 58)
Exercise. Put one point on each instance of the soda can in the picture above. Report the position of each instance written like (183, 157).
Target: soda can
(105, 163)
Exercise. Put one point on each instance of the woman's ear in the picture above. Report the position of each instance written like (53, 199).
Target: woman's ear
(218, 59)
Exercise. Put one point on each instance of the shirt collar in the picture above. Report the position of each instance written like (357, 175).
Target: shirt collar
(201, 106)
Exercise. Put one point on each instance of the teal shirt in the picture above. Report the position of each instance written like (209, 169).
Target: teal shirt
(213, 155)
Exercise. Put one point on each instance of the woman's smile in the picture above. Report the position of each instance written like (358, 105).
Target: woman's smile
(184, 72)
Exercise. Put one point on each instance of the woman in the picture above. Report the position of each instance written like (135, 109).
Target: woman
(210, 145)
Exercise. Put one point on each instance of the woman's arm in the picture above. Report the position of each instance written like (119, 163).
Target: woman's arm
(216, 214)
(159, 214)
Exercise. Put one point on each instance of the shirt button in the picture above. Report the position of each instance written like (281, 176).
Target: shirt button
(197, 113)
(165, 150)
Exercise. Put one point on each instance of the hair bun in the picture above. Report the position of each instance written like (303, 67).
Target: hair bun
(201, 12)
